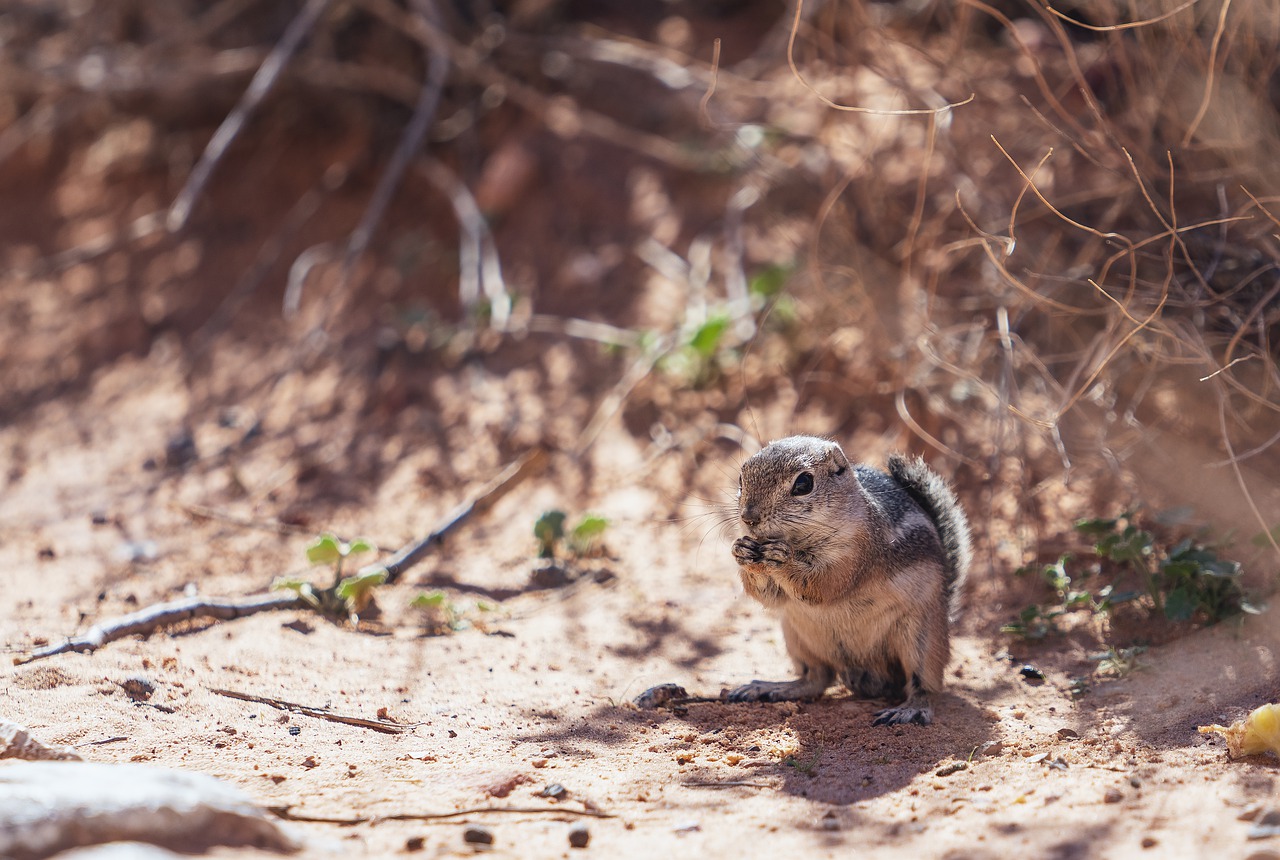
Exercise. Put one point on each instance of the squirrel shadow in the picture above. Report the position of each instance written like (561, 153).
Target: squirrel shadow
(828, 751)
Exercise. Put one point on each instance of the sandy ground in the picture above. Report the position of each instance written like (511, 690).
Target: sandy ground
(534, 691)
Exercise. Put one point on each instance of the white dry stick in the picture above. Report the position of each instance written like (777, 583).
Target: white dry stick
(437, 58)
(479, 268)
(263, 82)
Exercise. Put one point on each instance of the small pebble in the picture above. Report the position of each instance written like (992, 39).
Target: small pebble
(555, 791)
(477, 836)
(1031, 673)
(579, 836)
(137, 688)
(1113, 795)
(1149, 842)
(295, 730)
(1068, 733)
(415, 843)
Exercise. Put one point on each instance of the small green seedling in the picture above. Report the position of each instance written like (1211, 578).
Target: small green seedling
(548, 529)
(587, 536)
(348, 595)
(583, 540)
(697, 360)
(442, 615)
(808, 768)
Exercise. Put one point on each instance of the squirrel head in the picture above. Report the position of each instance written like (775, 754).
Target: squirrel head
(796, 484)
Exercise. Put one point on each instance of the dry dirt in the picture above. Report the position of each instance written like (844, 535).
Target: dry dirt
(165, 430)
(536, 690)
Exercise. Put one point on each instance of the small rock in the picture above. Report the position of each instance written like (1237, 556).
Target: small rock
(662, 694)
(1031, 675)
(180, 449)
(477, 836)
(1037, 758)
(555, 791)
(688, 827)
(1267, 826)
(47, 807)
(16, 742)
(1067, 734)
(137, 687)
(579, 836)
(1113, 795)
(1149, 842)
(415, 843)
(992, 748)
(547, 573)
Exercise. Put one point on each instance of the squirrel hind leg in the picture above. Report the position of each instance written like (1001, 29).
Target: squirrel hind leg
(812, 683)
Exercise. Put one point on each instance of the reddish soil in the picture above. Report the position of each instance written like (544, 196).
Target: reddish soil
(165, 430)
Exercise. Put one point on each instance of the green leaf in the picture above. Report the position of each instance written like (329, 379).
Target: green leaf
(428, 600)
(1180, 604)
(549, 530)
(587, 533)
(706, 340)
(324, 550)
(301, 587)
(359, 545)
(769, 281)
(1096, 527)
(354, 590)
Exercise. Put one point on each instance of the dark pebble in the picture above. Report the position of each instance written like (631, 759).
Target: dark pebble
(579, 836)
(477, 836)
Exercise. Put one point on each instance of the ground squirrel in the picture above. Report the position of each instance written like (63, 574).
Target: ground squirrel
(864, 568)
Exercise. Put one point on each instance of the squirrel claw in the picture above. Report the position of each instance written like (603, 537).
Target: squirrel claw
(904, 714)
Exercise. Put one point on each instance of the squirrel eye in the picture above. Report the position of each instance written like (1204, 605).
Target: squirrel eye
(803, 485)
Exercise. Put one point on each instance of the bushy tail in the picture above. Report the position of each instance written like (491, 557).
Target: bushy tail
(933, 494)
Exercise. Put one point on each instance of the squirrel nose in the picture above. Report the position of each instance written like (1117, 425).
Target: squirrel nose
(750, 516)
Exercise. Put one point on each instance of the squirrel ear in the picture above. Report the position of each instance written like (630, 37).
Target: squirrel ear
(838, 457)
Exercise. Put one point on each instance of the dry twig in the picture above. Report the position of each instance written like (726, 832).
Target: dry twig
(160, 615)
(321, 713)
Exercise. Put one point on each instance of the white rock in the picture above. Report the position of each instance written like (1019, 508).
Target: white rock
(47, 807)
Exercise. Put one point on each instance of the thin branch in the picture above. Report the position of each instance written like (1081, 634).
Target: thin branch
(1126, 26)
(479, 268)
(153, 618)
(321, 713)
(410, 142)
(263, 82)
(284, 813)
(1210, 72)
(795, 71)
(479, 501)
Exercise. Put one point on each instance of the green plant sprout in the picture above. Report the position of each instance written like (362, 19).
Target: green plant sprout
(348, 595)
(583, 540)
(442, 615)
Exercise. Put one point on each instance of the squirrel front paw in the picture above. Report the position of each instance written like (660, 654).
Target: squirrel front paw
(747, 550)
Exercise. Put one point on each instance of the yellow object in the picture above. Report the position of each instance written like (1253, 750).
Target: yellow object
(1255, 734)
